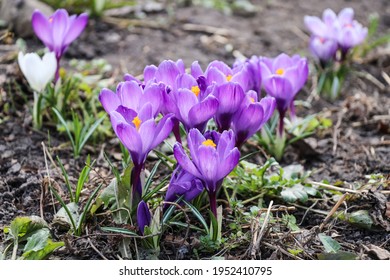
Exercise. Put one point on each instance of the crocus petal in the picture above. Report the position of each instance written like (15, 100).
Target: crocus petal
(185, 81)
(281, 89)
(146, 112)
(129, 94)
(345, 16)
(109, 100)
(315, 26)
(77, 26)
(127, 113)
(184, 160)
(50, 63)
(214, 75)
(225, 143)
(42, 28)
(208, 160)
(163, 129)
(194, 140)
(203, 111)
(59, 25)
(329, 17)
(185, 100)
(229, 163)
(152, 94)
(230, 96)
(147, 132)
(167, 72)
(143, 216)
(268, 104)
(196, 70)
(282, 61)
(130, 137)
(149, 73)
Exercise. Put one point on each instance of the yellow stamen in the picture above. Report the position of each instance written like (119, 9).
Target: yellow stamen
(252, 99)
(279, 71)
(137, 122)
(209, 143)
(195, 90)
(229, 77)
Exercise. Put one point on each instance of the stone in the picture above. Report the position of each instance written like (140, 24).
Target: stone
(17, 14)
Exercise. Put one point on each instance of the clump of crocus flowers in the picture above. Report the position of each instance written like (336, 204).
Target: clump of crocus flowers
(143, 114)
(332, 38)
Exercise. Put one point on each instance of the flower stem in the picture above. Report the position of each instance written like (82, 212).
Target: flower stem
(37, 107)
(281, 124)
(213, 203)
(57, 75)
(136, 184)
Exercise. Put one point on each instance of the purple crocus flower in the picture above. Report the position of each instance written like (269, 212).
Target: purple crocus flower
(351, 33)
(183, 184)
(191, 106)
(341, 28)
(59, 30)
(323, 49)
(230, 96)
(219, 73)
(131, 95)
(143, 216)
(253, 67)
(251, 116)
(211, 160)
(283, 77)
(139, 133)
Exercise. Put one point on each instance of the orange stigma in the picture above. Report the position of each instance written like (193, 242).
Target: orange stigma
(137, 122)
(279, 71)
(252, 99)
(195, 90)
(229, 77)
(209, 143)
(50, 19)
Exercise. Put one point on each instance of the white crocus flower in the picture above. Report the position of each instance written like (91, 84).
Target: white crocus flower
(38, 72)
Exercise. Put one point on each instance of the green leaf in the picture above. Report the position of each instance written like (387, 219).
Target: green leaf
(83, 178)
(37, 241)
(296, 192)
(340, 255)
(198, 216)
(330, 245)
(23, 226)
(361, 218)
(68, 214)
(90, 132)
(119, 230)
(42, 254)
(290, 221)
(63, 122)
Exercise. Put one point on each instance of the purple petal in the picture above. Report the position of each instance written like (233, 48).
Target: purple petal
(345, 16)
(149, 73)
(194, 141)
(226, 143)
(180, 66)
(109, 100)
(329, 17)
(209, 163)
(281, 89)
(215, 76)
(268, 104)
(127, 114)
(185, 100)
(265, 68)
(163, 129)
(143, 216)
(59, 25)
(282, 61)
(146, 112)
(42, 28)
(129, 94)
(196, 70)
(221, 66)
(167, 72)
(203, 111)
(185, 81)
(315, 26)
(130, 137)
(229, 163)
(75, 29)
(153, 95)
(230, 96)
(184, 161)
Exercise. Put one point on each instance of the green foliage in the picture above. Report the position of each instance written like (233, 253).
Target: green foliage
(78, 131)
(333, 250)
(298, 129)
(35, 232)
(288, 183)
